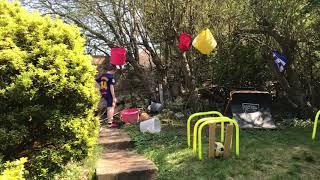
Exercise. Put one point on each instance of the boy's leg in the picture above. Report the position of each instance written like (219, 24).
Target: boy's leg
(110, 109)
(110, 113)
(111, 122)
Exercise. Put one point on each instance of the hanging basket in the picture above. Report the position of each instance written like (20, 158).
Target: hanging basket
(118, 56)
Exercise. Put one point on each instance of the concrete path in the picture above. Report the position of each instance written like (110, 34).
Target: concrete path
(118, 161)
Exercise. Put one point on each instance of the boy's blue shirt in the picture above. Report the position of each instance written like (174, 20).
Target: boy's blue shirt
(105, 81)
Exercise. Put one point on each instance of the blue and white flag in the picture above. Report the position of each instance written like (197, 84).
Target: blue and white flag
(280, 60)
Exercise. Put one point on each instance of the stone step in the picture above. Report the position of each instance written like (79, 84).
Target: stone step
(118, 161)
(114, 139)
(124, 165)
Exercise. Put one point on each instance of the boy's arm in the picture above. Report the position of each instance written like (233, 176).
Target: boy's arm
(113, 94)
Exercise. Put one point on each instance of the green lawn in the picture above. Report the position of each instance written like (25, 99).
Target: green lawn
(264, 154)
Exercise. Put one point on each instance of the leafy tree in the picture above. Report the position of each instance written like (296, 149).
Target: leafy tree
(247, 31)
(108, 24)
(47, 91)
(288, 26)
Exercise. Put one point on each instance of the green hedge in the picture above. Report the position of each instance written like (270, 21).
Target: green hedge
(47, 91)
(13, 170)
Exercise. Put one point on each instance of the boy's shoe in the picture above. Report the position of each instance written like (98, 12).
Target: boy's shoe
(113, 124)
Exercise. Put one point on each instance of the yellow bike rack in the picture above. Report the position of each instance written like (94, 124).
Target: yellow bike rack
(213, 120)
(202, 114)
(195, 131)
(315, 125)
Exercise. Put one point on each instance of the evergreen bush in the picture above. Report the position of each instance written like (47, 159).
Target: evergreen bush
(47, 91)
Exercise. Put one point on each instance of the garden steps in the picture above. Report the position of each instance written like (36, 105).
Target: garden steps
(119, 161)
(114, 139)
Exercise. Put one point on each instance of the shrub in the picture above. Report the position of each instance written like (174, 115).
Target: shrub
(13, 170)
(47, 91)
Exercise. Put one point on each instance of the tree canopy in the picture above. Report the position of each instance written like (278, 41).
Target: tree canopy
(247, 32)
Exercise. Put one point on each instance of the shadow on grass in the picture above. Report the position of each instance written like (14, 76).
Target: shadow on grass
(266, 154)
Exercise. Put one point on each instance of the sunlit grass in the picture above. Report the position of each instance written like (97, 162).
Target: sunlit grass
(264, 154)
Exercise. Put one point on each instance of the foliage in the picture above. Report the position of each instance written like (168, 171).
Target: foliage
(47, 92)
(13, 170)
(247, 31)
(272, 154)
(298, 123)
(81, 170)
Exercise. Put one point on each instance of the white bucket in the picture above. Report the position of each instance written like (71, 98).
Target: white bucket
(152, 125)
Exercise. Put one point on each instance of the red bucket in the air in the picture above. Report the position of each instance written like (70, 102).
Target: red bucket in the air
(118, 56)
(185, 40)
(130, 115)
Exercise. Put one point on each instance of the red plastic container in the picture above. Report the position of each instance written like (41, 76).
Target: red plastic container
(118, 56)
(130, 115)
(185, 40)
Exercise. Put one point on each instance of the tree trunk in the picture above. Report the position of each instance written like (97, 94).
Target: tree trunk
(293, 93)
(288, 80)
(189, 82)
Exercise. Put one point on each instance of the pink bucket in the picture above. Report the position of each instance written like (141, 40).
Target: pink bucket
(118, 56)
(130, 115)
(185, 40)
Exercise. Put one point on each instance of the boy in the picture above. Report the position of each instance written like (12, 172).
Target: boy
(106, 82)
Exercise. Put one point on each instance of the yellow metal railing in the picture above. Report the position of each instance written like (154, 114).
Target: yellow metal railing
(315, 125)
(195, 131)
(202, 114)
(213, 120)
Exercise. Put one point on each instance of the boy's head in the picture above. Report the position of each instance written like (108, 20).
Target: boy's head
(111, 68)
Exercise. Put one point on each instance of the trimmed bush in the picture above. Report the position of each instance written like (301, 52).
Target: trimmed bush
(47, 91)
(13, 170)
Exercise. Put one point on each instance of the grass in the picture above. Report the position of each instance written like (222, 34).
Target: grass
(264, 154)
